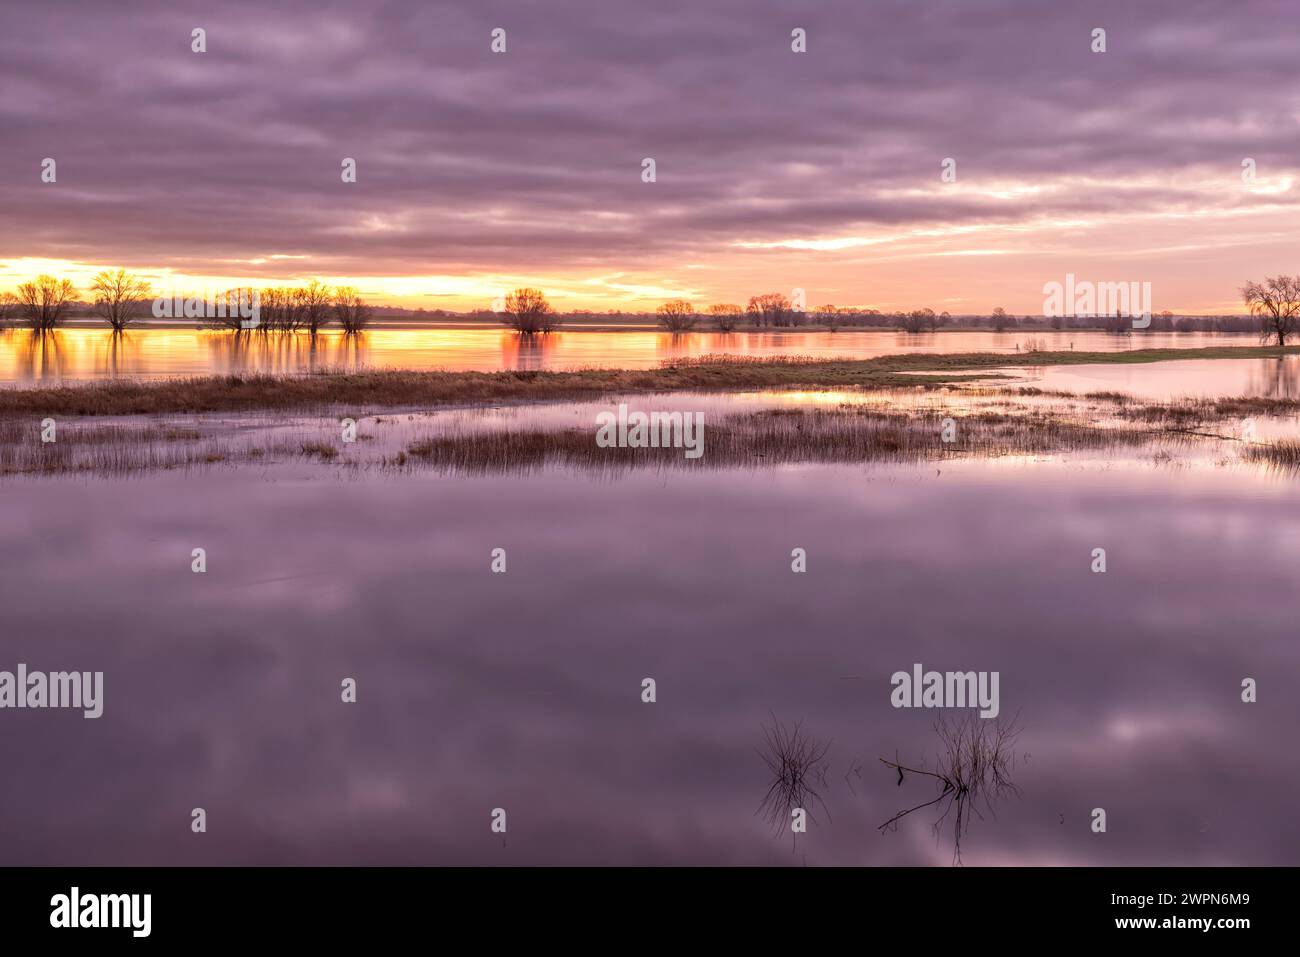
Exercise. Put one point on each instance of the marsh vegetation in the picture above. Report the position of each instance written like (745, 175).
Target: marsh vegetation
(762, 430)
(796, 763)
(971, 772)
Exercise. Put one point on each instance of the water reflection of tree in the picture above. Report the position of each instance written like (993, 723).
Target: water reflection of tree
(230, 351)
(675, 345)
(288, 352)
(44, 355)
(353, 350)
(285, 352)
(527, 351)
(1275, 378)
(117, 354)
(972, 774)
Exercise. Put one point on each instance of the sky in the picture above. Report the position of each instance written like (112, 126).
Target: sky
(478, 172)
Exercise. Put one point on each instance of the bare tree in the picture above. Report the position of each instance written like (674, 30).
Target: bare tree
(528, 311)
(919, 320)
(119, 297)
(677, 315)
(350, 310)
(770, 309)
(43, 303)
(828, 316)
(293, 312)
(281, 309)
(230, 308)
(999, 319)
(1275, 302)
(726, 315)
(271, 300)
(1118, 324)
(243, 308)
(314, 302)
(8, 308)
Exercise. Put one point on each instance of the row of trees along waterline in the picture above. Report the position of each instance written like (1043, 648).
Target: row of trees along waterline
(527, 311)
(310, 309)
(121, 299)
(1274, 308)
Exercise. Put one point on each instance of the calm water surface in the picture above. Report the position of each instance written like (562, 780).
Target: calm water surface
(521, 691)
(94, 353)
(1276, 378)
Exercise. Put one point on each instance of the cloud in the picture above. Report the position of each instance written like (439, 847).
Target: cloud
(528, 162)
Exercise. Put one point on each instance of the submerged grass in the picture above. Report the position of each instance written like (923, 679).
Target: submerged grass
(796, 763)
(901, 424)
(107, 450)
(844, 434)
(972, 774)
(1283, 454)
(780, 436)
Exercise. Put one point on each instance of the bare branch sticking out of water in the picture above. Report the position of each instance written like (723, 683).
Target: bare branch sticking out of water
(972, 773)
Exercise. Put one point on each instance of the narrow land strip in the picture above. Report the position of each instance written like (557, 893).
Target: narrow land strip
(375, 390)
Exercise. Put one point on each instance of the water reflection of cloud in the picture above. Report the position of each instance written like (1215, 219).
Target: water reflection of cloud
(469, 702)
(1159, 728)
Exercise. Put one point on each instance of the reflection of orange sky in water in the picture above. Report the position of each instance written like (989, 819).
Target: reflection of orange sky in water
(80, 353)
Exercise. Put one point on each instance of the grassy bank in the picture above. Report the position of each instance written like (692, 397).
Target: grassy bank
(377, 390)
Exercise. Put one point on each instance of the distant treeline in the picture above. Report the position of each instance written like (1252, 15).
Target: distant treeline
(775, 311)
(917, 321)
(120, 299)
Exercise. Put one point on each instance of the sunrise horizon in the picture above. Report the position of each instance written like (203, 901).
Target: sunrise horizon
(615, 294)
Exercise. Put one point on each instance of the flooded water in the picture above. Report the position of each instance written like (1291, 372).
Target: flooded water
(522, 690)
(1277, 378)
(94, 353)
